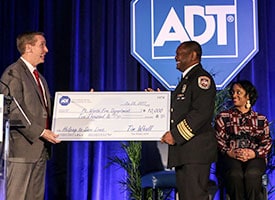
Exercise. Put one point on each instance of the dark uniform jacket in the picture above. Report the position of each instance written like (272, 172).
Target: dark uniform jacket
(192, 106)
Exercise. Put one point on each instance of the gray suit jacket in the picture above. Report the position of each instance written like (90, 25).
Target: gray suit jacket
(25, 143)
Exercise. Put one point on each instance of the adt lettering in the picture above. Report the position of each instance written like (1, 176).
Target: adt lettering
(213, 22)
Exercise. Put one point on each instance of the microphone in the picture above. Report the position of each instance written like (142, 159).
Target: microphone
(10, 73)
(9, 91)
(7, 98)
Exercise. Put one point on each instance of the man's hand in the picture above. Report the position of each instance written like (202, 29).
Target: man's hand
(168, 138)
(151, 90)
(50, 136)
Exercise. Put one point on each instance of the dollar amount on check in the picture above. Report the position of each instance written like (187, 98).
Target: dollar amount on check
(92, 116)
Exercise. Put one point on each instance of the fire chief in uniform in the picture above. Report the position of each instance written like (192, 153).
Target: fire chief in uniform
(191, 139)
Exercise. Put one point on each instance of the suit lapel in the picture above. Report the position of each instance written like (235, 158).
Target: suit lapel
(34, 84)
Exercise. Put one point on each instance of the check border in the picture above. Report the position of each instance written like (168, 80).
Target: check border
(111, 116)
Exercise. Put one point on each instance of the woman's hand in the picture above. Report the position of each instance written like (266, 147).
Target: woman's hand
(245, 154)
(242, 154)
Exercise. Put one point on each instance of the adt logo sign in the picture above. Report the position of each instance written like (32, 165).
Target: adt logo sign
(226, 29)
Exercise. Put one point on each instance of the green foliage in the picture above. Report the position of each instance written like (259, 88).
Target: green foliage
(222, 101)
(131, 164)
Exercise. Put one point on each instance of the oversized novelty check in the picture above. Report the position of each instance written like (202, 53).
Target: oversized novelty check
(91, 116)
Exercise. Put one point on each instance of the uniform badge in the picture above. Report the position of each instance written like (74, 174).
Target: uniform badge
(183, 88)
(204, 82)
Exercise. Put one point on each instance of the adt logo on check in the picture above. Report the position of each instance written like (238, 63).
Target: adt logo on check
(64, 100)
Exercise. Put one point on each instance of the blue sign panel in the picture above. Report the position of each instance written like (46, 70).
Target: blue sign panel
(226, 29)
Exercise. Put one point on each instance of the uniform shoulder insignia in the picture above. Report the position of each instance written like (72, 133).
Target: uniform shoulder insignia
(204, 82)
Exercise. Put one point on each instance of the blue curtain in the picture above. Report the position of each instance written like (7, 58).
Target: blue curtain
(89, 47)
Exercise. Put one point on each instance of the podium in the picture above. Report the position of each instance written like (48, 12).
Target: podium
(4, 142)
(7, 124)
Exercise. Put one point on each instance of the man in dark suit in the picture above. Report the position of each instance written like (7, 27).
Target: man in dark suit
(191, 139)
(29, 145)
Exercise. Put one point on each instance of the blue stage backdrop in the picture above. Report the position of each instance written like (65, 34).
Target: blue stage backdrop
(227, 31)
(89, 47)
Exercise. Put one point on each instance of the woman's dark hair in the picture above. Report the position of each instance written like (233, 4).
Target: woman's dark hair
(249, 89)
